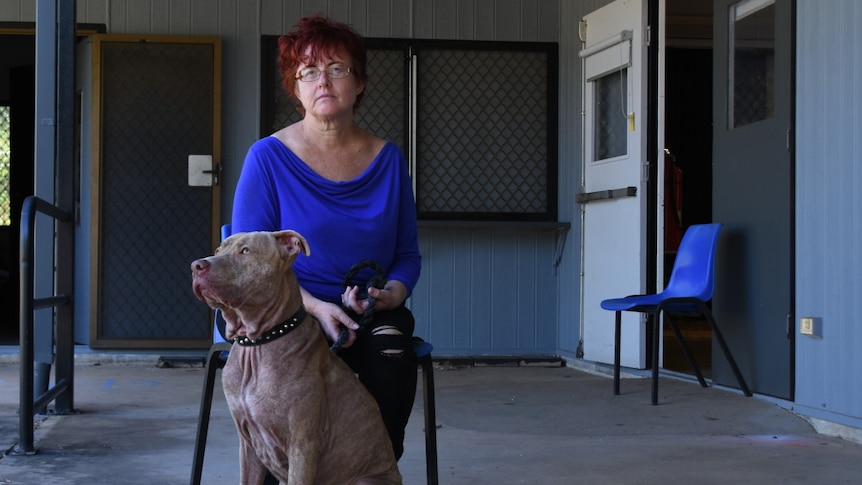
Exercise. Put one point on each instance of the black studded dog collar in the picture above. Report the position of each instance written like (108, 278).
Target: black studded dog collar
(279, 330)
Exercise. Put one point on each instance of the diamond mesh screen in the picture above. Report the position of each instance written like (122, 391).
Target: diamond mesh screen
(753, 86)
(383, 108)
(286, 113)
(157, 109)
(483, 132)
(753, 63)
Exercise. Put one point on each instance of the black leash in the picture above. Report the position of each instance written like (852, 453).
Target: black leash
(377, 281)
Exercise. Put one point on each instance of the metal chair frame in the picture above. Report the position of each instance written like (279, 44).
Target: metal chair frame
(691, 286)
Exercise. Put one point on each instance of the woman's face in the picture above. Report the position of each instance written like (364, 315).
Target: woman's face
(327, 96)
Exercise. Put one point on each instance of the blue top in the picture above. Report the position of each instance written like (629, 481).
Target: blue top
(370, 217)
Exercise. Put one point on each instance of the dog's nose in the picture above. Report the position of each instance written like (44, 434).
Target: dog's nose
(200, 265)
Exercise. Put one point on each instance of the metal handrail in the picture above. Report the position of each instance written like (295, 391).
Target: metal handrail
(28, 304)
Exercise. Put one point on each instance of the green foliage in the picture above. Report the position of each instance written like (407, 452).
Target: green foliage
(5, 162)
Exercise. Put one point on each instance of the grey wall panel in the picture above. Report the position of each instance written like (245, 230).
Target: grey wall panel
(570, 170)
(479, 272)
(829, 218)
(432, 302)
(484, 20)
(379, 19)
(504, 295)
(271, 16)
(95, 11)
(180, 17)
(423, 20)
(205, 18)
(135, 17)
(487, 292)
(449, 18)
(506, 21)
(348, 11)
(162, 13)
(569, 178)
(12, 11)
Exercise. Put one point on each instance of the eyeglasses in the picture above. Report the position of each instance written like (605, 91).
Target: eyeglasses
(334, 71)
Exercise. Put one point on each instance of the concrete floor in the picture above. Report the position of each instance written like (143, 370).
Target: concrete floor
(136, 423)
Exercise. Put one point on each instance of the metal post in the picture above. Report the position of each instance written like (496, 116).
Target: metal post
(25, 379)
(65, 198)
(42, 261)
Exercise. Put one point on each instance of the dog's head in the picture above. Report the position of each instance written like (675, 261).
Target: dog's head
(249, 279)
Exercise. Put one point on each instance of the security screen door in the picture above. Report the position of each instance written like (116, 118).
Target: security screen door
(614, 192)
(156, 101)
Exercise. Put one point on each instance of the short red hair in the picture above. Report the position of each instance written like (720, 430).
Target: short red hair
(326, 37)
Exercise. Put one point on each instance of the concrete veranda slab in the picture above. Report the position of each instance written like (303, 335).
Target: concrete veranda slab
(136, 424)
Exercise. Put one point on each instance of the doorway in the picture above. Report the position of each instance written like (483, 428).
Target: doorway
(16, 167)
(688, 163)
(688, 157)
(156, 101)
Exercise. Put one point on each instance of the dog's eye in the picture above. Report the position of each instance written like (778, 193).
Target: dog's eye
(245, 251)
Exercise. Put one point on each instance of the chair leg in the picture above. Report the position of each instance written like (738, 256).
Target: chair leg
(725, 349)
(215, 361)
(655, 351)
(617, 329)
(686, 350)
(430, 418)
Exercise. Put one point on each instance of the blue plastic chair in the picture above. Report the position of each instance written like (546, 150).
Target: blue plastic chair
(690, 288)
(217, 358)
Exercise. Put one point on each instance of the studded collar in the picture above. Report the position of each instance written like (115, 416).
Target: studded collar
(279, 330)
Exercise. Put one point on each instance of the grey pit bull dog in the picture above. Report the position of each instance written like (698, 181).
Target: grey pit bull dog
(299, 410)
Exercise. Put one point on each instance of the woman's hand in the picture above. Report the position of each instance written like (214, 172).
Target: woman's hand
(332, 318)
(391, 296)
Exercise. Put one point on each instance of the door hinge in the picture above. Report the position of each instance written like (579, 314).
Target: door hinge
(647, 35)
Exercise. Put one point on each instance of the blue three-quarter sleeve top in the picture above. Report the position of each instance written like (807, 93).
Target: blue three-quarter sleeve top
(370, 217)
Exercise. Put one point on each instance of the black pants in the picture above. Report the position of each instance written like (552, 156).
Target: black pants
(387, 366)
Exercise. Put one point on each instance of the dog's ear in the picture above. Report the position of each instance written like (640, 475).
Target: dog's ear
(291, 243)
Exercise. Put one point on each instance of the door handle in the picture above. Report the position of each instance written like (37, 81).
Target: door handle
(203, 171)
(583, 198)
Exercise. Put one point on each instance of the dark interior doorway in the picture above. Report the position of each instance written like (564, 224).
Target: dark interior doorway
(688, 175)
(17, 96)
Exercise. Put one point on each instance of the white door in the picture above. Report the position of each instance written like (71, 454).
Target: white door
(613, 196)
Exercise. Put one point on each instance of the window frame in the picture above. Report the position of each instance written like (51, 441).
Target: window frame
(412, 51)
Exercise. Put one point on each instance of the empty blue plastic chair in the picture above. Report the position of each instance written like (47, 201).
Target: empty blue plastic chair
(217, 357)
(690, 288)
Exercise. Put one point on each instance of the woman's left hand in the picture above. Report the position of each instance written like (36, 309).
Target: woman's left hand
(391, 296)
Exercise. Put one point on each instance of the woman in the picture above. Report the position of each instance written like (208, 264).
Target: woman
(348, 192)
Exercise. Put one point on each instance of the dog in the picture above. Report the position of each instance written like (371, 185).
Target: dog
(300, 412)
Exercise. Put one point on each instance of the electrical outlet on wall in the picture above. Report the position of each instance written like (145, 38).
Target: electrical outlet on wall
(811, 326)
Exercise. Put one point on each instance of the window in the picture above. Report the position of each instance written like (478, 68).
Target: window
(752, 24)
(611, 102)
(480, 131)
